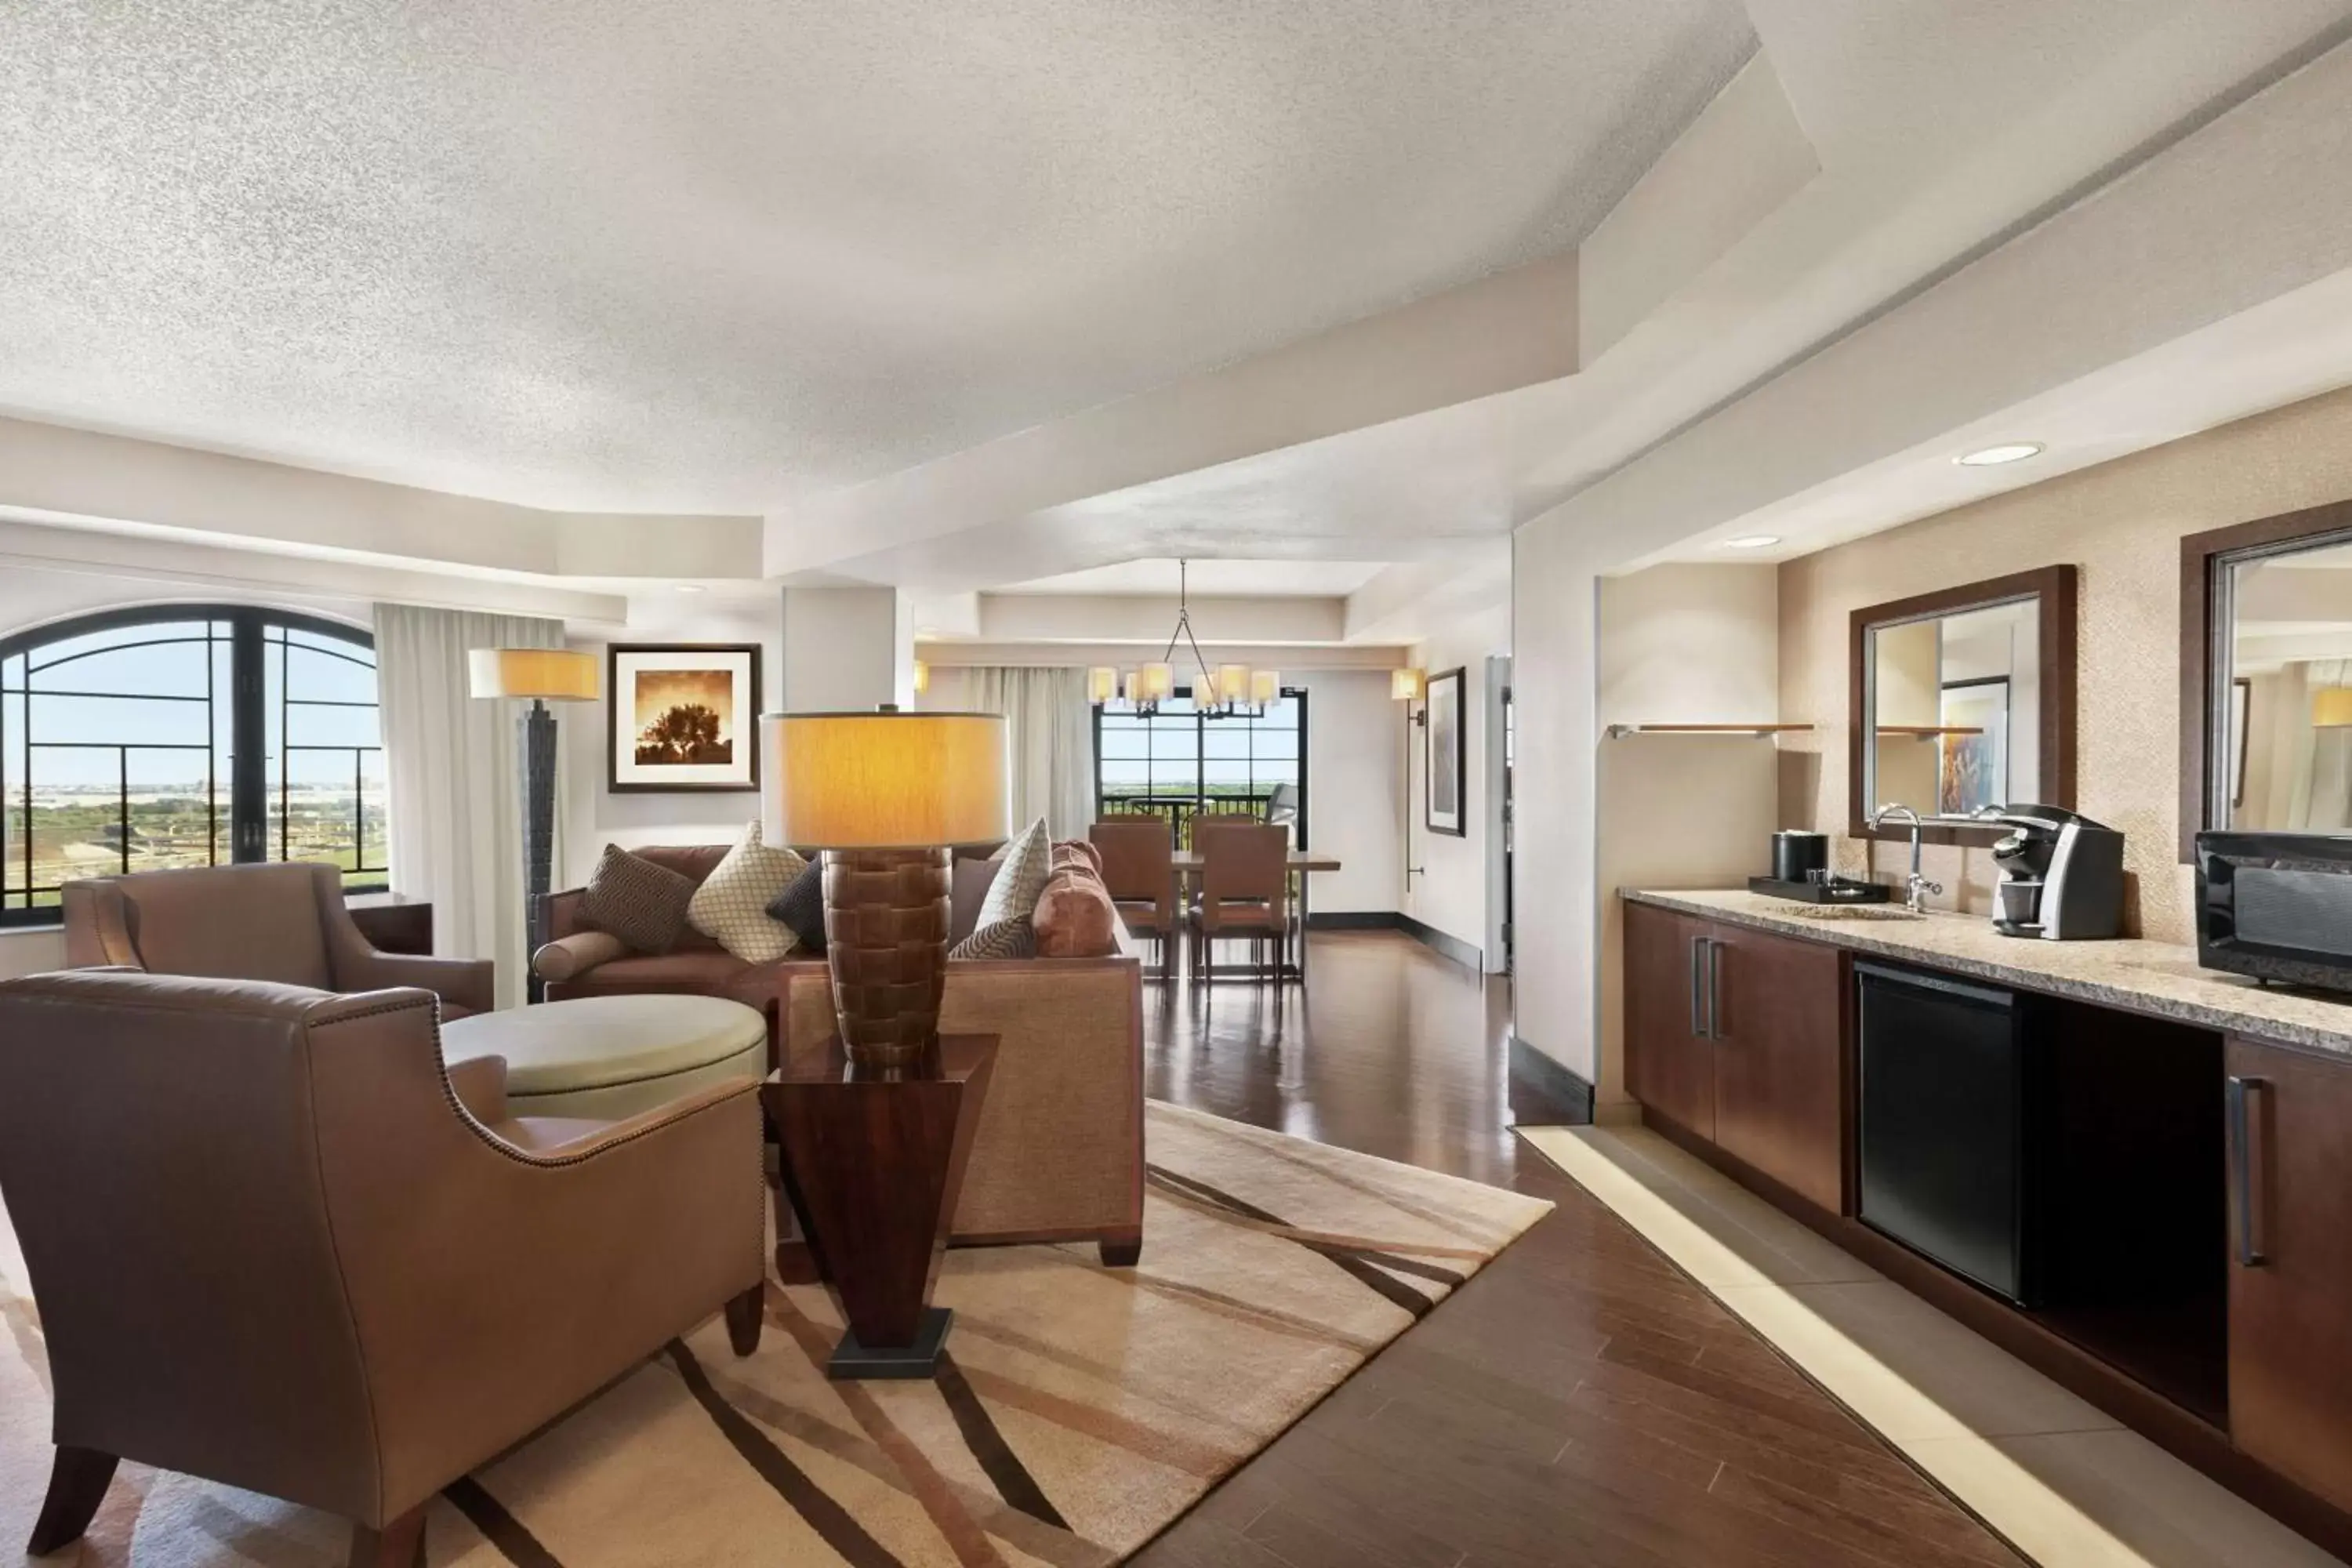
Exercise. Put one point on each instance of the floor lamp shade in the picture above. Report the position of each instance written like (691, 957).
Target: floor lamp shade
(884, 796)
(541, 676)
(551, 674)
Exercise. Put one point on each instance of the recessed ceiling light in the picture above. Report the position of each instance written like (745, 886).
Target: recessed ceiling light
(1992, 457)
(689, 587)
(1752, 542)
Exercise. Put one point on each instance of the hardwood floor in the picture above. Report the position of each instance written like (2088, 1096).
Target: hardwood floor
(1582, 1401)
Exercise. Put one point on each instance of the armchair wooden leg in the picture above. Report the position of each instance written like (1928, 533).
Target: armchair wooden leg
(745, 1313)
(399, 1544)
(77, 1482)
(1122, 1249)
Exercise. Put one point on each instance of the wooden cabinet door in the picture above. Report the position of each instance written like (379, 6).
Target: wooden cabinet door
(1779, 1059)
(1669, 1065)
(2290, 1160)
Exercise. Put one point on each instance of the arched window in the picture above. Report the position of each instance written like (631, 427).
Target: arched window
(185, 735)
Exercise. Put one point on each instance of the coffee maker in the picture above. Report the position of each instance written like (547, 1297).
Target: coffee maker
(2061, 875)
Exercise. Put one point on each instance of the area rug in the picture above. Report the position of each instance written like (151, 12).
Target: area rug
(1080, 1411)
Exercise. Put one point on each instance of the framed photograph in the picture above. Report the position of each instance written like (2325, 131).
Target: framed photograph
(1446, 754)
(682, 716)
(1974, 762)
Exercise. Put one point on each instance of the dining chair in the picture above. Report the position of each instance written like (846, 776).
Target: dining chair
(1139, 870)
(1244, 891)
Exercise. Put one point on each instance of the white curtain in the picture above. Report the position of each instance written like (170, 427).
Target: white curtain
(455, 770)
(2314, 766)
(1050, 728)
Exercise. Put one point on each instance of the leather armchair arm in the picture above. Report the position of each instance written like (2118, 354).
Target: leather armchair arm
(468, 982)
(481, 1085)
(98, 931)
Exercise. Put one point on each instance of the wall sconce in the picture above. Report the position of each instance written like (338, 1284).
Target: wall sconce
(1410, 686)
(923, 677)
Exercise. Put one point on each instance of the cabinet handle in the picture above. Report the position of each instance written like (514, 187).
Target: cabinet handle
(2245, 1177)
(1698, 988)
(1714, 989)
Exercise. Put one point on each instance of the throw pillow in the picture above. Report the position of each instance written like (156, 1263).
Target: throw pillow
(802, 907)
(1076, 917)
(1013, 937)
(1020, 878)
(731, 906)
(640, 902)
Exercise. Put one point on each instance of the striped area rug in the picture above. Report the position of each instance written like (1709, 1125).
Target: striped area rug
(1080, 1411)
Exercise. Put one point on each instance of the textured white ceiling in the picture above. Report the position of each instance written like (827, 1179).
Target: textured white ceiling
(1228, 578)
(590, 253)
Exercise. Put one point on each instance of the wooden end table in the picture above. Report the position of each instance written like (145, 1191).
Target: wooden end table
(873, 1165)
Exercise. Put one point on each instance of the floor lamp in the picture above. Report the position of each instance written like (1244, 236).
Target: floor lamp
(541, 675)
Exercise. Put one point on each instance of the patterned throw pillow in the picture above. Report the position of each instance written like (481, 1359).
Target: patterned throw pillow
(802, 907)
(1013, 937)
(1021, 877)
(731, 906)
(640, 902)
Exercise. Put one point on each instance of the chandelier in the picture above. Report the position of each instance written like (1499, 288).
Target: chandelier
(1226, 691)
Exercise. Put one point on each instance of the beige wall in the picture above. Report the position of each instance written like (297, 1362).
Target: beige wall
(2121, 524)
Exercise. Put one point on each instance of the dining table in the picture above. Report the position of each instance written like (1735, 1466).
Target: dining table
(1305, 864)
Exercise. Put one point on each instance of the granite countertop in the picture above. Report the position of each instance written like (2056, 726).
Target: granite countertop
(2152, 977)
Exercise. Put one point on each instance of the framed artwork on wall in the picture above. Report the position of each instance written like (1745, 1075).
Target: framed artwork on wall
(682, 717)
(1447, 753)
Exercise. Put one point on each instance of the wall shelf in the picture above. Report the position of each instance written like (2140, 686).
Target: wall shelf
(1929, 732)
(1619, 731)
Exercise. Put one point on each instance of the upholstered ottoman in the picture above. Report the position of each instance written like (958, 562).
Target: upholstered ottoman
(611, 1056)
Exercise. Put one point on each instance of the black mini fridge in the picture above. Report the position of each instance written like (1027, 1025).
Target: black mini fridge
(1946, 1098)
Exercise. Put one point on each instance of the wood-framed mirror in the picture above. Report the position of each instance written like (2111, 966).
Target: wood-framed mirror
(2267, 676)
(1963, 700)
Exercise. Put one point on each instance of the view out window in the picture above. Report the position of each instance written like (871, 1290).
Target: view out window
(1179, 763)
(140, 739)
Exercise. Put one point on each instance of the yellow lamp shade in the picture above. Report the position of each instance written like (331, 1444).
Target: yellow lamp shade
(923, 677)
(2331, 708)
(1265, 685)
(1102, 684)
(891, 780)
(1232, 683)
(1407, 685)
(554, 674)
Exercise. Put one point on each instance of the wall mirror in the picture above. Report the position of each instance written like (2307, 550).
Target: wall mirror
(2266, 708)
(1964, 699)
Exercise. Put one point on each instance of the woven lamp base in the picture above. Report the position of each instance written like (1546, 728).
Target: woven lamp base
(886, 939)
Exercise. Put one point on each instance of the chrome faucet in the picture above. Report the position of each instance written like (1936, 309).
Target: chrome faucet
(1916, 884)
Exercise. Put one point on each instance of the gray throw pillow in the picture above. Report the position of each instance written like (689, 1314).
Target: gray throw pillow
(1021, 877)
(802, 907)
(1013, 937)
(634, 899)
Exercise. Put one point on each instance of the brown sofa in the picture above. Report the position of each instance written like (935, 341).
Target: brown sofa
(586, 962)
(283, 921)
(276, 1244)
(1058, 1153)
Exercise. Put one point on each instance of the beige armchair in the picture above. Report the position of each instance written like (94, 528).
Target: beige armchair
(275, 1243)
(284, 921)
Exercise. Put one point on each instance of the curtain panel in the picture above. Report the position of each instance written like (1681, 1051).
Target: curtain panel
(1050, 737)
(455, 771)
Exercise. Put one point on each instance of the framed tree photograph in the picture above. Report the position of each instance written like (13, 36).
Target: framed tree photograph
(1447, 755)
(682, 717)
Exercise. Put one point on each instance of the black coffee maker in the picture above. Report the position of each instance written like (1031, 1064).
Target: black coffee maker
(2061, 875)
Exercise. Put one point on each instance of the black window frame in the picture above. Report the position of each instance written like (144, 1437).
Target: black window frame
(1201, 722)
(249, 795)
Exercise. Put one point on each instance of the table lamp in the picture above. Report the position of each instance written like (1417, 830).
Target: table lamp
(886, 795)
(543, 674)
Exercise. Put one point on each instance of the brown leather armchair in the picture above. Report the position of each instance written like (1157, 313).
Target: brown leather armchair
(284, 921)
(275, 1243)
